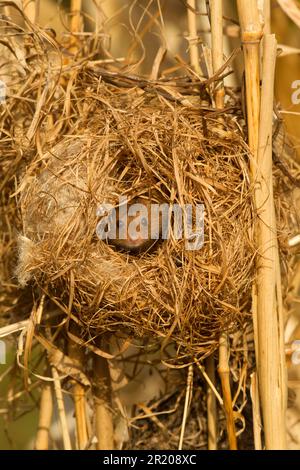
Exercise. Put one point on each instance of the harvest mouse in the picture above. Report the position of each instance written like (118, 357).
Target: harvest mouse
(137, 228)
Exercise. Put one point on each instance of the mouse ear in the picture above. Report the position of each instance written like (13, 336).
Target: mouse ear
(103, 229)
(104, 209)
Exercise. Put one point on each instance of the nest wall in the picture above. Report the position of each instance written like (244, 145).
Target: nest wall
(135, 143)
(78, 135)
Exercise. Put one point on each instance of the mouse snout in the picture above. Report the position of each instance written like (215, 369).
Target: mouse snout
(138, 231)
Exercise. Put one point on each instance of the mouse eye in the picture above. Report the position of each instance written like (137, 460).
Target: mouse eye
(144, 221)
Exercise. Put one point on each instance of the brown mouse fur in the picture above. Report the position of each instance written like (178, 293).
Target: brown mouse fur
(140, 241)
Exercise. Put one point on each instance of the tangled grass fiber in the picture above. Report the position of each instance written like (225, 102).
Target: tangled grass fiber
(79, 134)
(135, 143)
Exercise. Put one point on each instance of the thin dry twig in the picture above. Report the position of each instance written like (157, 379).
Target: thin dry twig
(61, 410)
(188, 397)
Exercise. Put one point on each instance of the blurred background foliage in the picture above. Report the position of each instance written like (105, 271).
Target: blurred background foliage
(175, 28)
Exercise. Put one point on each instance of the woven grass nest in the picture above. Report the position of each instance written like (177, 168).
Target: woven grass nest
(131, 142)
(85, 135)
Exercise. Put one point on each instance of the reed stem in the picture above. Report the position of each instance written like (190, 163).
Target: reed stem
(45, 416)
(216, 18)
(224, 373)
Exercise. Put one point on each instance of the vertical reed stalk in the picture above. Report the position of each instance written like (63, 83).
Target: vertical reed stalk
(76, 21)
(211, 406)
(79, 398)
(268, 322)
(267, 16)
(46, 409)
(193, 36)
(224, 373)
(216, 19)
(251, 37)
(271, 370)
(76, 24)
(256, 412)
(102, 396)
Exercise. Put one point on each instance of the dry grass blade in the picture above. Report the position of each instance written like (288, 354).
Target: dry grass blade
(63, 363)
(188, 398)
(210, 383)
(13, 328)
(291, 8)
(35, 319)
(61, 410)
(287, 50)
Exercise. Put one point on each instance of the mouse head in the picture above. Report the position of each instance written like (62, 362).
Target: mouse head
(134, 228)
